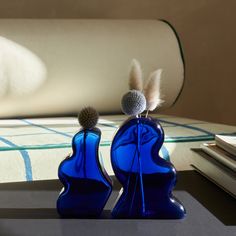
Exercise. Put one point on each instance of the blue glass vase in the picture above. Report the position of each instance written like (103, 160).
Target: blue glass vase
(87, 187)
(147, 179)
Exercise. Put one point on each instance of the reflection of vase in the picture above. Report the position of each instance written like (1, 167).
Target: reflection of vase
(147, 179)
(87, 186)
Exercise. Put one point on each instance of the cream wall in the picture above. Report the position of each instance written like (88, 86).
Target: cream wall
(207, 32)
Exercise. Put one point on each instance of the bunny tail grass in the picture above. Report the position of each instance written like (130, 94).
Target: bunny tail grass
(135, 76)
(152, 90)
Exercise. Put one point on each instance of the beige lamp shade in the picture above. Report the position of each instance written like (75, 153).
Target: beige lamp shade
(50, 67)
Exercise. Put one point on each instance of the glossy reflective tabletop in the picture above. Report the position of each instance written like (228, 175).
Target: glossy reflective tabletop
(29, 209)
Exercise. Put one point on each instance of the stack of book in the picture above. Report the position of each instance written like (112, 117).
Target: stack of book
(217, 162)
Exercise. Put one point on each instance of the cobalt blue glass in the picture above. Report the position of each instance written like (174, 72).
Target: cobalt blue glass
(146, 178)
(87, 187)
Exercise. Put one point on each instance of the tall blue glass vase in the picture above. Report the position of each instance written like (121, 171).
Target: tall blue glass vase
(87, 187)
(147, 179)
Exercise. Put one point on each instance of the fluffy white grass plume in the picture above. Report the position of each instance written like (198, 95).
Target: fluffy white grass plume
(21, 71)
(135, 77)
(152, 90)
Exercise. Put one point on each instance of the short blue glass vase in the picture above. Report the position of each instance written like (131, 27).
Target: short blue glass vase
(147, 179)
(87, 187)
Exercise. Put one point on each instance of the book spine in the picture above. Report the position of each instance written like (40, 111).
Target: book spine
(225, 146)
(215, 174)
(224, 160)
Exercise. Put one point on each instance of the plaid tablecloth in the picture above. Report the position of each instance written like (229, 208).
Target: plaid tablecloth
(31, 149)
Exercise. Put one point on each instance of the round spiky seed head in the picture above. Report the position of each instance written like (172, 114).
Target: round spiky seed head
(88, 117)
(133, 103)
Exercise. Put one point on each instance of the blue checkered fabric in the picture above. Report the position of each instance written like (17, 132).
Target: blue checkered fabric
(31, 149)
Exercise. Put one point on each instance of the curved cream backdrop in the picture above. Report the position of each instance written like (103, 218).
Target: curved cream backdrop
(88, 62)
(206, 29)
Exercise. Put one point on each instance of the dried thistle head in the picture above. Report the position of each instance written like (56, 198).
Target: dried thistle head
(133, 103)
(88, 117)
